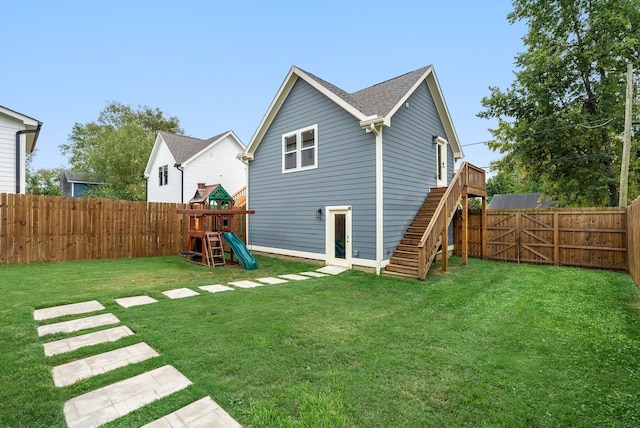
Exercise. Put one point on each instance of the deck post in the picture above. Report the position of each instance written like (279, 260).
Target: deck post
(465, 229)
(445, 240)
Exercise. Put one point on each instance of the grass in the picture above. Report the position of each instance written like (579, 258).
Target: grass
(488, 344)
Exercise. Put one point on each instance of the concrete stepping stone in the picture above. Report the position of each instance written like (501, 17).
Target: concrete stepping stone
(332, 269)
(294, 277)
(179, 293)
(73, 343)
(245, 284)
(314, 274)
(70, 373)
(106, 404)
(127, 302)
(202, 413)
(215, 288)
(78, 324)
(271, 280)
(71, 309)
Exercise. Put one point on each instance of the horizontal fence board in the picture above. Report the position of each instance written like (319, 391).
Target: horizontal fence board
(594, 237)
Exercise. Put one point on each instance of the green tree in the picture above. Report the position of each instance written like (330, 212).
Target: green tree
(508, 182)
(561, 120)
(42, 181)
(116, 147)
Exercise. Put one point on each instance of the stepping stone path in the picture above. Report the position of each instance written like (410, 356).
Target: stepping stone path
(111, 402)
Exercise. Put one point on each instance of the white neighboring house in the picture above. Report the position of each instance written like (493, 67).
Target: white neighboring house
(18, 136)
(178, 163)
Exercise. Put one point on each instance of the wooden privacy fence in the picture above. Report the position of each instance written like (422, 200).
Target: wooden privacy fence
(633, 239)
(594, 238)
(47, 228)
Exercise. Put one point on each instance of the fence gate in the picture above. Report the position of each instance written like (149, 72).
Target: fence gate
(520, 237)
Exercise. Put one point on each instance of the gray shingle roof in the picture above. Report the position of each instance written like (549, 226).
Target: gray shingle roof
(184, 148)
(518, 201)
(380, 98)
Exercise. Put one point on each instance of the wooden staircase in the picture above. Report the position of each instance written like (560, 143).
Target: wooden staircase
(405, 259)
(418, 248)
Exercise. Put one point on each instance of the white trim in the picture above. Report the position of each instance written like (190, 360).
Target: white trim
(443, 112)
(441, 169)
(26, 120)
(215, 143)
(294, 73)
(283, 93)
(379, 202)
(312, 256)
(299, 149)
(336, 99)
(285, 252)
(330, 235)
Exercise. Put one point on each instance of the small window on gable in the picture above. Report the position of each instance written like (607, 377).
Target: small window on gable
(300, 149)
(163, 175)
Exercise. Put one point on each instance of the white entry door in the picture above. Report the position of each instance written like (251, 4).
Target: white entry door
(338, 236)
(441, 162)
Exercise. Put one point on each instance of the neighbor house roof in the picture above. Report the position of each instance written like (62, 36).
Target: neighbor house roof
(29, 123)
(379, 101)
(518, 201)
(81, 177)
(184, 149)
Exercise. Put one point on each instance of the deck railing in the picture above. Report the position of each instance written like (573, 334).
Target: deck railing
(468, 179)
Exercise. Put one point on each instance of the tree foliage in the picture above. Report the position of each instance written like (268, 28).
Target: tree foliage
(42, 181)
(560, 122)
(116, 147)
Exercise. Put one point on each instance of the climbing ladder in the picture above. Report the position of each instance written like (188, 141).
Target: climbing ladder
(214, 251)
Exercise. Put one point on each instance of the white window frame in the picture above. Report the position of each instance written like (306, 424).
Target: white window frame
(163, 175)
(300, 149)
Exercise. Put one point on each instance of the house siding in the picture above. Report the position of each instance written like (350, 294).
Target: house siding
(8, 129)
(286, 204)
(218, 165)
(409, 164)
(170, 192)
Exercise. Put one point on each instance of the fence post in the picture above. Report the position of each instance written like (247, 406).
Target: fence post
(556, 239)
(483, 229)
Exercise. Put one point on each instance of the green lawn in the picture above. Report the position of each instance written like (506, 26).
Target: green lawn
(489, 344)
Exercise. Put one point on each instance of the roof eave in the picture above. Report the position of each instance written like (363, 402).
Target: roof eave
(281, 96)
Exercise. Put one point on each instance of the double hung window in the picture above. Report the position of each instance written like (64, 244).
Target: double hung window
(163, 175)
(300, 149)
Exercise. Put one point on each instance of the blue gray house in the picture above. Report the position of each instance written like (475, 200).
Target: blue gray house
(339, 176)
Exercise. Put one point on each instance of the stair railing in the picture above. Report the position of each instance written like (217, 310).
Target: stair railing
(439, 224)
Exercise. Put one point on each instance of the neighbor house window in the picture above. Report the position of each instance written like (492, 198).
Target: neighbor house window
(163, 175)
(300, 149)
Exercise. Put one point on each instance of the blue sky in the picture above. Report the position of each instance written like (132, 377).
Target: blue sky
(218, 65)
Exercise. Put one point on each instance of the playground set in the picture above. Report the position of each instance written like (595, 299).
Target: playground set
(211, 227)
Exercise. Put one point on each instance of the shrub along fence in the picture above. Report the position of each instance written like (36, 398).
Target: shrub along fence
(593, 238)
(49, 228)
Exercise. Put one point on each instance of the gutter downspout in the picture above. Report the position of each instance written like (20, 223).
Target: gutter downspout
(178, 166)
(18, 163)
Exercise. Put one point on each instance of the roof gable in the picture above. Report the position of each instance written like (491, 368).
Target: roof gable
(184, 149)
(381, 101)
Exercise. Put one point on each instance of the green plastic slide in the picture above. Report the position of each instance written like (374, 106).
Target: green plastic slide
(240, 250)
